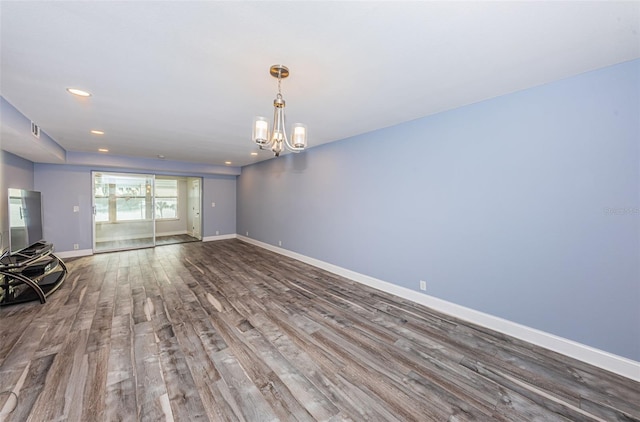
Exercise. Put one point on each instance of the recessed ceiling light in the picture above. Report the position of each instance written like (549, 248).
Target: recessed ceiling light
(227, 162)
(79, 92)
(97, 132)
(103, 150)
(254, 153)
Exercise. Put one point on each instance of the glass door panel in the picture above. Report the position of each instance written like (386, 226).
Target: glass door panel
(123, 211)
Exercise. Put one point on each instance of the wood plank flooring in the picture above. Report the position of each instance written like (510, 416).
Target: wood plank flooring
(226, 331)
(175, 238)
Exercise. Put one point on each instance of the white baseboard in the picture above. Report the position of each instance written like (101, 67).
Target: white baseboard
(73, 254)
(219, 237)
(605, 360)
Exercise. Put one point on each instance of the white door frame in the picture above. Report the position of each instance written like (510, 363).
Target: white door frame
(195, 206)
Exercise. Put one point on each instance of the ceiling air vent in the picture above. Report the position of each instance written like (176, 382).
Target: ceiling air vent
(35, 130)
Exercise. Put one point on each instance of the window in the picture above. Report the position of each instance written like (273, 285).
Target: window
(130, 201)
(101, 199)
(120, 198)
(102, 209)
(166, 199)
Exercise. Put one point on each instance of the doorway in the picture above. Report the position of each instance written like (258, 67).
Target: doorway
(134, 211)
(195, 205)
(176, 205)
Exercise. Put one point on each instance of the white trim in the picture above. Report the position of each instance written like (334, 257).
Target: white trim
(74, 254)
(605, 360)
(219, 237)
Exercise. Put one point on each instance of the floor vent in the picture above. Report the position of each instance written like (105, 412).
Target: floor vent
(35, 130)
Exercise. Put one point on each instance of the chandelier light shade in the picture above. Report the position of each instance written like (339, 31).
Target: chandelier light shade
(276, 139)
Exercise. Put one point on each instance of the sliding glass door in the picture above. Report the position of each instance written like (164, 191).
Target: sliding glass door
(123, 214)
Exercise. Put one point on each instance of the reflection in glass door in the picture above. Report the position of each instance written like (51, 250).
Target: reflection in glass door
(123, 211)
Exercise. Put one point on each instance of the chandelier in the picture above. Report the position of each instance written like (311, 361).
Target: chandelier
(277, 139)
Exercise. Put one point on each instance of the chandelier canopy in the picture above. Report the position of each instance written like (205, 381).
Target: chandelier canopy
(276, 139)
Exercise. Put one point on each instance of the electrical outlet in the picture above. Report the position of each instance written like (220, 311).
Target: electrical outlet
(279, 242)
(213, 205)
(423, 285)
(247, 234)
(76, 246)
(217, 232)
(76, 208)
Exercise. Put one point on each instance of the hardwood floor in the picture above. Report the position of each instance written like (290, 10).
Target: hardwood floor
(226, 331)
(176, 238)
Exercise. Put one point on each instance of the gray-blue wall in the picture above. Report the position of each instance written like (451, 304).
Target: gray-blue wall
(525, 206)
(65, 186)
(16, 173)
(220, 190)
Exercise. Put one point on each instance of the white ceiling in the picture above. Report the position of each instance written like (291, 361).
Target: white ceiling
(185, 79)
